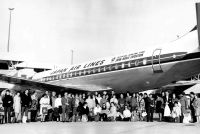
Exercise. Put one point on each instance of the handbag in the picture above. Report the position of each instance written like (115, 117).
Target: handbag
(144, 114)
(24, 119)
(12, 112)
(84, 118)
(44, 110)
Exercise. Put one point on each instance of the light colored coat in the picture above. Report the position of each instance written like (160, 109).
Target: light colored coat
(17, 104)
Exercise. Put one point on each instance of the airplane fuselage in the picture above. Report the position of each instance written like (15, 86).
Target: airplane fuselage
(137, 71)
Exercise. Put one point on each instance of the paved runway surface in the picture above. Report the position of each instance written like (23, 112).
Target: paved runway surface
(100, 128)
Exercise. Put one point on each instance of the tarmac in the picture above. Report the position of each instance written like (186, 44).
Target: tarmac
(100, 128)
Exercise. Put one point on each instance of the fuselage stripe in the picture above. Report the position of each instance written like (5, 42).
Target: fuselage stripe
(145, 61)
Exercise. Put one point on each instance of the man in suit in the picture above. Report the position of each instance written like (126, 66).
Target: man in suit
(26, 102)
(184, 105)
(147, 101)
(192, 106)
(7, 104)
(65, 105)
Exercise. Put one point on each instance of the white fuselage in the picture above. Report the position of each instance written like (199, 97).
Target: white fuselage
(137, 71)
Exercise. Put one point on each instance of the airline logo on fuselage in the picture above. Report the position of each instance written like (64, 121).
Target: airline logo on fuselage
(77, 67)
(99, 63)
(88, 65)
(127, 57)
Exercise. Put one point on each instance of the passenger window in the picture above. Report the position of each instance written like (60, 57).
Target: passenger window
(108, 68)
(99, 69)
(119, 66)
(76, 74)
(90, 71)
(87, 72)
(132, 63)
(73, 74)
(137, 63)
(116, 67)
(123, 65)
(63, 76)
(113, 67)
(126, 64)
(102, 69)
(95, 70)
(84, 72)
(70, 75)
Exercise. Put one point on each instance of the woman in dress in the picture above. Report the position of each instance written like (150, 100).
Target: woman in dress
(17, 106)
(167, 104)
(34, 106)
(159, 107)
(44, 104)
(141, 107)
(113, 111)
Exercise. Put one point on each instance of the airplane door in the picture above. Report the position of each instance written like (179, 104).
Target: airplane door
(156, 66)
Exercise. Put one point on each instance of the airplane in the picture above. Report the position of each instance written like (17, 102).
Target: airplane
(133, 72)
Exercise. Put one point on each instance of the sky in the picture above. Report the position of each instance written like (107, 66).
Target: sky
(47, 30)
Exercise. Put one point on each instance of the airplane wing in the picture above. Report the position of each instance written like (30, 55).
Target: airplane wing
(182, 83)
(37, 67)
(37, 84)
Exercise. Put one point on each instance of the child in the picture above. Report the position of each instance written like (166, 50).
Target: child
(176, 112)
(187, 116)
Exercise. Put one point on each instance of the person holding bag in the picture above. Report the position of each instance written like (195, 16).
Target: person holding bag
(85, 112)
(44, 104)
(25, 103)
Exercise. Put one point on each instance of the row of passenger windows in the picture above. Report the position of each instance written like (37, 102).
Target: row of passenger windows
(113, 67)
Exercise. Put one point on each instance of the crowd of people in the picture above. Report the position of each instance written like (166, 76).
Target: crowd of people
(68, 107)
